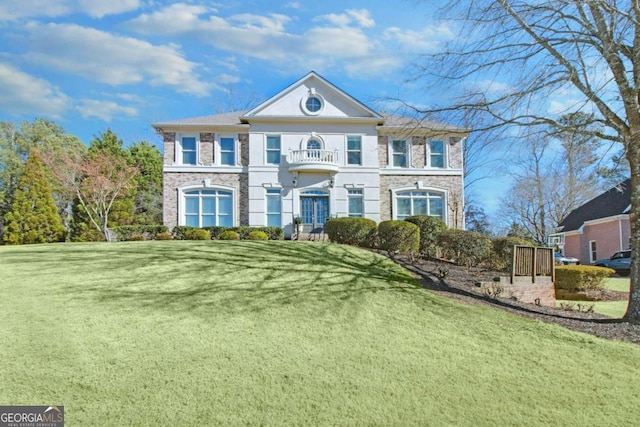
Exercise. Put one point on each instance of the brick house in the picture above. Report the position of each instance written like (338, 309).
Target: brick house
(311, 152)
(597, 229)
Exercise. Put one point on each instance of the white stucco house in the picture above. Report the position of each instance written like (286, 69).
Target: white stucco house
(311, 151)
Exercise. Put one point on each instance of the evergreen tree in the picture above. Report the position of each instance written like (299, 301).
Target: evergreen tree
(148, 193)
(33, 217)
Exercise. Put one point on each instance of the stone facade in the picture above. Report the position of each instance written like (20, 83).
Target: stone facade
(206, 149)
(172, 181)
(451, 184)
(169, 151)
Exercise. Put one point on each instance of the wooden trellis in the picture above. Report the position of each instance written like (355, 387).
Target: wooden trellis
(532, 262)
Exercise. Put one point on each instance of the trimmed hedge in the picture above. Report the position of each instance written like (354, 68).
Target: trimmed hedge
(399, 236)
(273, 233)
(502, 251)
(352, 231)
(197, 234)
(581, 277)
(229, 235)
(464, 247)
(125, 233)
(430, 229)
(258, 235)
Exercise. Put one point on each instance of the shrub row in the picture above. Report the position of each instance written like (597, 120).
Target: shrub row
(139, 232)
(581, 277)
(216, 232)
(352, 231)
(434, 240)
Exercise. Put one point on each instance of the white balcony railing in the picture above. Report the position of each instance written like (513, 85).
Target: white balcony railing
(313, 160)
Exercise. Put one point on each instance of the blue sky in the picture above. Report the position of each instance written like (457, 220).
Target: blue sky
(90, 65)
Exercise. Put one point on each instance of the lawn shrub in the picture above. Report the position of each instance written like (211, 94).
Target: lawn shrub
(163, 236)
(581, 277)
(352, 231)
(258, 235)
(273, 233)
(502, 251)
(430, 229)
(229, 235)
(126, 233)
(197, 234)
(180, 232)
(399, 236)
(464, 247)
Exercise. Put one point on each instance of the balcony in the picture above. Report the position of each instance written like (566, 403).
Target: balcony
(314, 160)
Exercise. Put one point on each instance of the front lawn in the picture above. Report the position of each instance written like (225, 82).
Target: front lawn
(284, 333)
(615, 309)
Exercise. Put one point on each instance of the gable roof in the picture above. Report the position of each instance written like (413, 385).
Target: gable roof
(614, 201)
(313, 76)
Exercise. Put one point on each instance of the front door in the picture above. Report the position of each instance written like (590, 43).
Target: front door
(314, 212)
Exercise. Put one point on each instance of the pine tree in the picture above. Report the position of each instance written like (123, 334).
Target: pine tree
(33, 217)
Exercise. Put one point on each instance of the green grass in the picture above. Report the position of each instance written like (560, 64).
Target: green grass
(615, 309)
(284, 333)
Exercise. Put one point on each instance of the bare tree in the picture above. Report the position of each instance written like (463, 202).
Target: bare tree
(96, 181)
(585, 53)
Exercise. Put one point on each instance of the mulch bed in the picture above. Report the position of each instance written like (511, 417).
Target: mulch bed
(459, 283)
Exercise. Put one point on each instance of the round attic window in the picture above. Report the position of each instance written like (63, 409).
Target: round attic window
(312, 104)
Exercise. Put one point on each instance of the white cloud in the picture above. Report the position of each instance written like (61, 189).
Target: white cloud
(15, 9)
(115, 60)
(265, 37)
(22, 93)
(101, 8)
(427, 40)
(362, 17)
(104, 110)
(293, 5)
(273, 23)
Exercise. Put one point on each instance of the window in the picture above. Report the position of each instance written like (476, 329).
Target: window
(399, 153)
(189, 153)
(593, 253)
(227, 151)
(203, 208)
(356, 203)
(436, 154)
(314, 144)
(313, 104)
(274, 208)
(419, 203)
(354, 150)
(273, 149)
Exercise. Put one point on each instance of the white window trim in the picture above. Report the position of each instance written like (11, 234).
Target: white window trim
(312, 94)
(207, 186)
(346, 150)
(266, 204)
(390, 152)
(445, 199)
(178, 148)
(356, 196)
(445, 154)
(591, 257)
(266, 149)
(218, 149)
(315, 136)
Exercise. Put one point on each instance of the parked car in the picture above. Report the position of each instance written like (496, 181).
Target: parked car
(620, 262)
(565, 260)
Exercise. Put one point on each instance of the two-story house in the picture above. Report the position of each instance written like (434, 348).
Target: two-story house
(310, 152)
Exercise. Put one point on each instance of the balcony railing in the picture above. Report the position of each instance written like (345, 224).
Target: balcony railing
(314, 160)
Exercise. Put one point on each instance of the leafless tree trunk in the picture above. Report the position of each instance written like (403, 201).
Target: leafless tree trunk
(584, 53)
